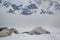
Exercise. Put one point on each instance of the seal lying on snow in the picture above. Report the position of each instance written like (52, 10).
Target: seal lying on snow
(7, 32)
(37, 31)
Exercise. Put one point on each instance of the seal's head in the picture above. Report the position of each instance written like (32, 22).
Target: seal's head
(47, 32)
(14, 31)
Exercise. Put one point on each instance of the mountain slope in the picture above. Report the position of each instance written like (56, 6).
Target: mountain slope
(43, 6)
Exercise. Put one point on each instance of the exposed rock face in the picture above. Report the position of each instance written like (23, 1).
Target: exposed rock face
(37, 31)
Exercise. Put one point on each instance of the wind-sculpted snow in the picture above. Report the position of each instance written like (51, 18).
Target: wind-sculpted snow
(35, 6)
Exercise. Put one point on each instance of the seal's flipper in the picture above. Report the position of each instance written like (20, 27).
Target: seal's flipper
(14, 30)
(47, 32)
(24, 32)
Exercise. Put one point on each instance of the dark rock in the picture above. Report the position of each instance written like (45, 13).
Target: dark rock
(32, 6)
(15, 7)
(0, 1)
(6, 4)
(26, 12)
(10, 11)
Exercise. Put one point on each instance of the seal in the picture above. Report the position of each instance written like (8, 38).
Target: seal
(37, 31)
(7, 32)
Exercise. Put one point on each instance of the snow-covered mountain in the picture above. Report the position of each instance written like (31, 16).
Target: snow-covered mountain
(29, 7)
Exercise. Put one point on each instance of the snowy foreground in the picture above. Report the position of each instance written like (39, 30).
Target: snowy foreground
(55, 34)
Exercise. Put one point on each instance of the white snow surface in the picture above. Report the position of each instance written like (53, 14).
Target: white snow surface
(55, 34)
